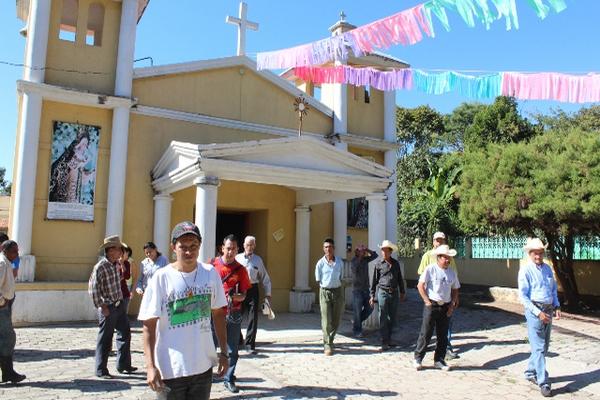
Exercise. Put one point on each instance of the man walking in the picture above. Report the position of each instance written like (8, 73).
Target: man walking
(387, 282)
(439, 238)
(105, 290)
(176, 312)
(9, 253)
(328, 273)
(360, 287)
(257, 273)
(236, 284)
(438, 286)
(538, 293)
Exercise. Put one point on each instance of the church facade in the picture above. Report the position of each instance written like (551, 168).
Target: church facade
(103, 149)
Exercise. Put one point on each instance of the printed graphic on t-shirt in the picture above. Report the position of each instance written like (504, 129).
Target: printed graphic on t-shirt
(186, 309)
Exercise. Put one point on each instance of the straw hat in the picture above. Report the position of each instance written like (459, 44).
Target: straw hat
(444, 250)
(111, 241)
(439, 235)
(267, 310)
(534, 244)
(389, 245)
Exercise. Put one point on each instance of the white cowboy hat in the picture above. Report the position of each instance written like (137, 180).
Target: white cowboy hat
(534, 244)
(389, 245)
(444, 250)
(439, 235)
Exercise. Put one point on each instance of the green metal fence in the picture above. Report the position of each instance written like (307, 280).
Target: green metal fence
(511, 247)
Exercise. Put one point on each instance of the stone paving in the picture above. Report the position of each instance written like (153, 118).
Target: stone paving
(58, 361)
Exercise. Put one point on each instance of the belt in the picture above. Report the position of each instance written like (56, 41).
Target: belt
(543, 306)
(330, 288)
(387, 290)
(438, 303)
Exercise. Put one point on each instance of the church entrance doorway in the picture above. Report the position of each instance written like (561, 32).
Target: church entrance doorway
(242, 224)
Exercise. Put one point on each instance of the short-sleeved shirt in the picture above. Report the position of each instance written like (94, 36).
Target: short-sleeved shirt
(439, 282)
(430, 258)
(238, 281)
(329, 275)
(182, 302)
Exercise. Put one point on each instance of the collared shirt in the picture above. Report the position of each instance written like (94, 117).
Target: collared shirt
(430, 258)
(148, 268)
(360, 271)
(536, 283)
(256, 270)
(329, 275)
(7, 279)
(387, 276)
(105, 284)
(439, 282)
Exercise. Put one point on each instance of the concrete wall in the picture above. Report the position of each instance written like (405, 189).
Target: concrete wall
(64, 56)
(365, 118)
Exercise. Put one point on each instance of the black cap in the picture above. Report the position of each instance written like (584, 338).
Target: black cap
(185, 228)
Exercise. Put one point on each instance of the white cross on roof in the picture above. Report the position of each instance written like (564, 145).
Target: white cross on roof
(242, 24)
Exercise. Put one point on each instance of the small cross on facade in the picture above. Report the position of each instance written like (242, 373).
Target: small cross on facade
(242, 24)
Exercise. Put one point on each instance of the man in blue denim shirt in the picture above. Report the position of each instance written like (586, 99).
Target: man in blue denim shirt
(538, 292)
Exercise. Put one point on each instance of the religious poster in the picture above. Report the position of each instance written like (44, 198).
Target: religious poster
(358, 213)
(73, 171)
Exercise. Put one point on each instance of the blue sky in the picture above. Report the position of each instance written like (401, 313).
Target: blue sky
(196, 30)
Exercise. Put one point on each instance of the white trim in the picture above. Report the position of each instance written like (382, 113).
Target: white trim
(352, 139)
(73, 96)
(236, 61)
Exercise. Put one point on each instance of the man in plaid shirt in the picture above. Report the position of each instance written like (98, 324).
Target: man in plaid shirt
(105, 290)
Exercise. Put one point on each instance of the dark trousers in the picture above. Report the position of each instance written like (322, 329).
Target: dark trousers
(195, 387)
(234, 326)
(433, 316)
(361, 308)
(388, 306)
(117, 319)
(250, 308)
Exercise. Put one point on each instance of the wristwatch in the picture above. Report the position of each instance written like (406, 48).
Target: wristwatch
(223, 354)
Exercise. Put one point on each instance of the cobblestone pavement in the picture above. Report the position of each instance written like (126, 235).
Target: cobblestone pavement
(58, 361)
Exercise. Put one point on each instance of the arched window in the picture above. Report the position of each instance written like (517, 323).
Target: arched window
(68, 20)
(95, 23)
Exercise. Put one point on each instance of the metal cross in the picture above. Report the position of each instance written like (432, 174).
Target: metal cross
(242, 24)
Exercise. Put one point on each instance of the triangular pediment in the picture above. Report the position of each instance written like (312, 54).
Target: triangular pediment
(302, 162)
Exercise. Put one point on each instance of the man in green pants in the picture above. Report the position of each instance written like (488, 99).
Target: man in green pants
(328, 273)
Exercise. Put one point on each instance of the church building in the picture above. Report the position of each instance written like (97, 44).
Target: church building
(104, 148)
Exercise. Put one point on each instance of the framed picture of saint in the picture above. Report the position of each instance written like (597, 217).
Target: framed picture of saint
(73, 171)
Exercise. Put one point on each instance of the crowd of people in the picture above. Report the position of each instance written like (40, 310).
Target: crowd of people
(190, 308)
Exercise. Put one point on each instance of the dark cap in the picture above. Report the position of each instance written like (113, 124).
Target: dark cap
(185, 228)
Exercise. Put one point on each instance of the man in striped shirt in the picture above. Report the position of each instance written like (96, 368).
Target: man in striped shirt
(105, 291)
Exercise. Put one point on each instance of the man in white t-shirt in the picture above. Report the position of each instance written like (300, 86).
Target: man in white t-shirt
(438, 286)
(176, 312)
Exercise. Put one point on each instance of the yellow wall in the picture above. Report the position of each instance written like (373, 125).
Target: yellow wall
(65, 55)
(60, 255)
(235, 93)
(321, 227)
(365, 118)
(371, 155)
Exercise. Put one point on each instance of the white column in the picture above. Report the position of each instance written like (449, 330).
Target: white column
(376, 236)
(120, 123)
(340, 220)
(206, 214)
(162, 223)
(389, 116)
(391, 204)
(29, 134)
(301, 296)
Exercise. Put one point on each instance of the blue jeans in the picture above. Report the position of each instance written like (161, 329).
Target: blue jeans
(539, 340)
(362, 308)
(388, 305)
(234, 326)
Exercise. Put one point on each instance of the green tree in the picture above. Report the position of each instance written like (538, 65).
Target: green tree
(499, 122)
(549, 185)
(5, 186)
(458, 121)
(587, 119)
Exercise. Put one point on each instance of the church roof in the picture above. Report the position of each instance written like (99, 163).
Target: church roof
(23, 9)
(226, 62)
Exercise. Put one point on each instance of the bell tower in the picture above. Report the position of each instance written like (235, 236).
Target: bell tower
(78, 70)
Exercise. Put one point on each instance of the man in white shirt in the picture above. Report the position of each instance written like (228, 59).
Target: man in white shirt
(176, 312)
(438, 287)
(257, 274)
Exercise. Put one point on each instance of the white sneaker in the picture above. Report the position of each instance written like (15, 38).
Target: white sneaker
(441, 365)
(418, 365)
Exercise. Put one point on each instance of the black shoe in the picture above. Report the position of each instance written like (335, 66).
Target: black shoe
(14, 378)
(128, 370)
(231, 387)
(545, 390)
(532, 379)
(385, 347)
(104, 375)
